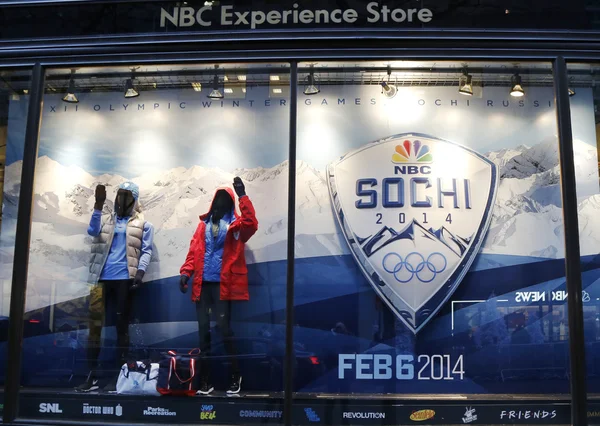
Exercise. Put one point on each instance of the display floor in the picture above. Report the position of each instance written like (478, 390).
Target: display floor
(48, 405)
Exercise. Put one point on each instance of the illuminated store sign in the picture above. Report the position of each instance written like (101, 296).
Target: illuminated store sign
(228, 16)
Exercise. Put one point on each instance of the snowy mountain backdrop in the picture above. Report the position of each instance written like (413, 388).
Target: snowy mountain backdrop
(527, 217)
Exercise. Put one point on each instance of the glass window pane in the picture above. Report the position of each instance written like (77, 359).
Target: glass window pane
(584, 121)
(151, 182)
(14, 102)
(429, 255)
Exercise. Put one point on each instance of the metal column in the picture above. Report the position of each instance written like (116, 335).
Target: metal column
(289, 297)
(21, 256)
(572, 253)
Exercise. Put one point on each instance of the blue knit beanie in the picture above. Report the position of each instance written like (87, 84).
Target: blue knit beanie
(130, 186)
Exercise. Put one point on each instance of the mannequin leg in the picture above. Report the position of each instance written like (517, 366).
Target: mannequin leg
(203, 307)
(223, 314)
(96, 321)
(124, 300)
(94, 345)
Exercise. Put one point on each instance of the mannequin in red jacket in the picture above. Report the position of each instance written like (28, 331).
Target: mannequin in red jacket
(217, 262)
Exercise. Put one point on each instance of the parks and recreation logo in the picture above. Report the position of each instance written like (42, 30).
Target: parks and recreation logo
(159, 411)
(414, 210)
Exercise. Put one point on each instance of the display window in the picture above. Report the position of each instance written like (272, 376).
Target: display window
(157, 231)
(14, 101)
(582, 83)
(429, 216)
(428, 242)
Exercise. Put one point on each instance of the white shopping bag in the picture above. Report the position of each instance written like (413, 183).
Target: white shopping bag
(138, 378)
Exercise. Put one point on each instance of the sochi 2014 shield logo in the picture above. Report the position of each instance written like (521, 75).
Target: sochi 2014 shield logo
(414, 210)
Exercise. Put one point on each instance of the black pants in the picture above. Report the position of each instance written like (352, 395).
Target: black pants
(110, 304)
(210, 302)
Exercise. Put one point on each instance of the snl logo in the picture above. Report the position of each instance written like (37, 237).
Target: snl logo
(47, 407)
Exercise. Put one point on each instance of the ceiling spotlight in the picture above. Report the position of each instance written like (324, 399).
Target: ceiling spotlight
(197, 86)
(274, 78)
(228, 90)
(572, 92)
(130, 90)
(241, 77)
(466, 84)
(310, 88)
(388, 90)
(215, 93)
(516, 87)
(71, 97)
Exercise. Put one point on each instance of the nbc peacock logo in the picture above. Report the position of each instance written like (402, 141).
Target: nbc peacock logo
(415, 152)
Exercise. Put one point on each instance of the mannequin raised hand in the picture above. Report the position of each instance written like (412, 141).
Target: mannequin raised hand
(100, 195)
(239, 187)
(183, 283)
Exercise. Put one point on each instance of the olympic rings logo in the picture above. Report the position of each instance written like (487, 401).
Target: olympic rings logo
(414, 264)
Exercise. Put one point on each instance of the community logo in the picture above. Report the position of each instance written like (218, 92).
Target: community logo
(414, 224)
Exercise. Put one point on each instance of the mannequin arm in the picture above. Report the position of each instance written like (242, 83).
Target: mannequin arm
(95, 224)
(188, 265)
(249, 224)
(147, 238)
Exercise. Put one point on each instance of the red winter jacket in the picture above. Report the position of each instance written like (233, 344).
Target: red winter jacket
(234, 273)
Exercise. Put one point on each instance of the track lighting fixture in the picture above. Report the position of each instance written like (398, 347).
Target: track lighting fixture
(130, 90)
(310, 87)
(466, 84)
(572, 92)
(388, 90)
(516, 86)
(215, 93)
(71, 97)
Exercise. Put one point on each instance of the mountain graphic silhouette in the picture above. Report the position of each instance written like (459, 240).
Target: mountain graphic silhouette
(413, 230)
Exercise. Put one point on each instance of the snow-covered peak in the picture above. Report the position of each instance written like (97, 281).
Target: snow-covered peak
(543, 157)
(108, 180)
(51, 176)
(590, 205)
(500, 158)
(537, 159)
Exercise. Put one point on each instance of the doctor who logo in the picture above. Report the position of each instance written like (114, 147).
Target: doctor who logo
(414, 210)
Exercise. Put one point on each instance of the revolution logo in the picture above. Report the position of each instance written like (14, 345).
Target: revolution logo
(415, 225)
